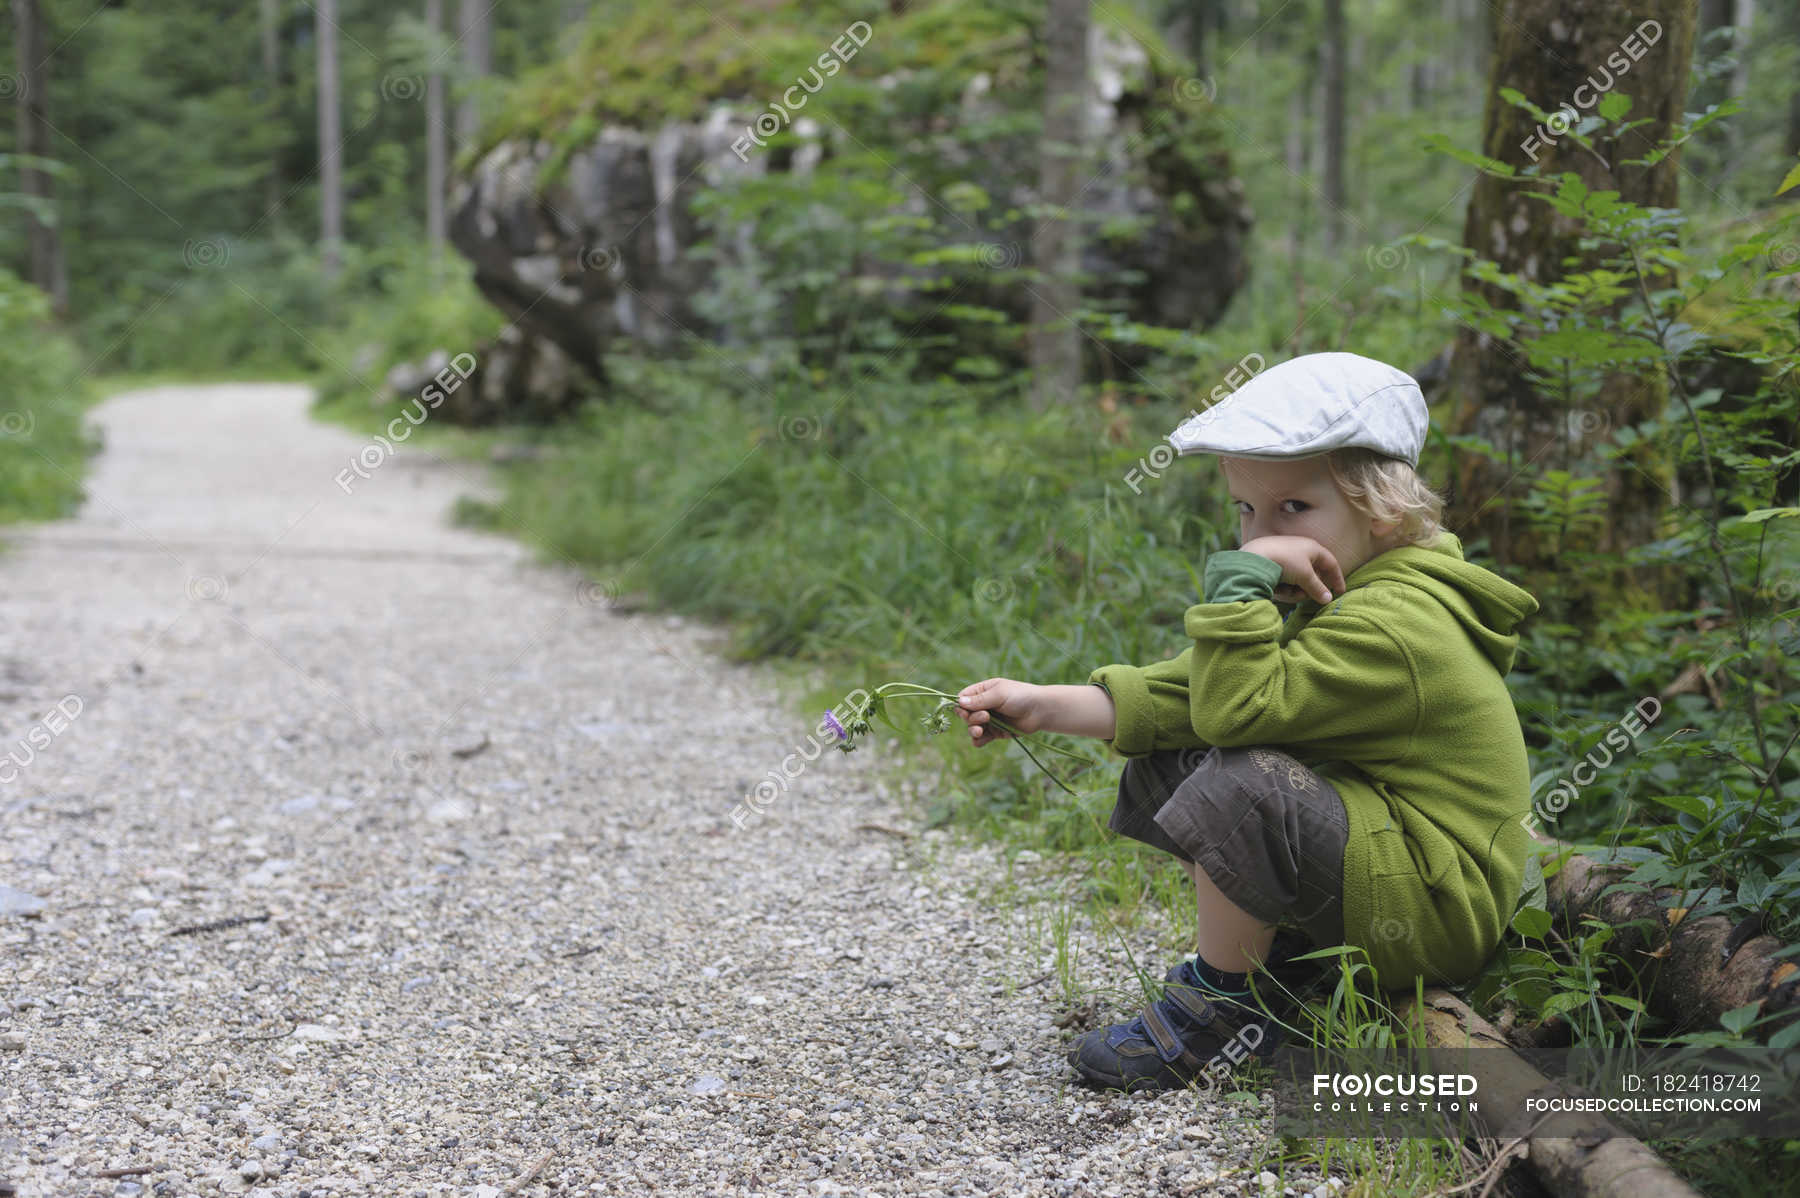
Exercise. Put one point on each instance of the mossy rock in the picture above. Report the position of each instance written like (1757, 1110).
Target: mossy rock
(921, 155)
(675, 62)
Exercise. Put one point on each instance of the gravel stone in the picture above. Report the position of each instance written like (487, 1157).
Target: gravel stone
(403, 758)
(17, 902)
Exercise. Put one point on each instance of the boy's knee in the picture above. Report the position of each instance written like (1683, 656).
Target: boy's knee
(1276, 828)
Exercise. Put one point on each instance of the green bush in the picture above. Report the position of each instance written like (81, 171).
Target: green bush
(397, 305)
(220, 308)
(43, 393)
(267, 308)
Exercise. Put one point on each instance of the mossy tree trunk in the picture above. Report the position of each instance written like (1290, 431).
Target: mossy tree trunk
(1692, 970)
(1556, 53)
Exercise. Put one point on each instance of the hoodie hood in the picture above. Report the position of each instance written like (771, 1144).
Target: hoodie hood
(1488, 607)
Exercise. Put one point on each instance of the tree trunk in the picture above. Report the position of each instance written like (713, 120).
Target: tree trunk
(1055, 241)
(1422, 76)
(1738, 86)
(1335, 46)
(1788, 25)
(1714, 14)
(1547, 49)
(1698, 969)
(1577, 1154)
(1740, 74)
(473, 30)
(1723, 29)
(1793, 136)
(1476, 51)
(331, 176)
(271, 71)
(49, 268)
(1190, 23)
(436, 151)
(1298, 149)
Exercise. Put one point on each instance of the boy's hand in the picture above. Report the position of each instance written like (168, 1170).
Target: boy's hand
(1019, 703)
(1307, 567)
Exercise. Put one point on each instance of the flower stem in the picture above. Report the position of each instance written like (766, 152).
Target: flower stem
(914, 690)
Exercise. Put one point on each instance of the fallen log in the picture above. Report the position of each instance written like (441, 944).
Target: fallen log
(1693, 969)
(1577, 1155)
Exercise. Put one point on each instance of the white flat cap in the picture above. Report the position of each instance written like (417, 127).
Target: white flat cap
(1311, 405)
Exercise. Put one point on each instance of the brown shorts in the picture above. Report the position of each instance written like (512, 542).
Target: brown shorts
(1268, 831)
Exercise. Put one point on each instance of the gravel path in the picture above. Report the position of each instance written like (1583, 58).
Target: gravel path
(500, 928)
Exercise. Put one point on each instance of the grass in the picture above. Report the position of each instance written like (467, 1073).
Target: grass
(43, 457)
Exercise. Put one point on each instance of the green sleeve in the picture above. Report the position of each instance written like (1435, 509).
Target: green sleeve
(1150, 706)
(1342, 682)
(1151, 703)
(1234, 576)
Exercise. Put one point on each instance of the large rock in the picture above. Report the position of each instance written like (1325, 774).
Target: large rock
(603, 251)
(514, 379)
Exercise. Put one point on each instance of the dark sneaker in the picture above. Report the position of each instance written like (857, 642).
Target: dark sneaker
(1189, 1035)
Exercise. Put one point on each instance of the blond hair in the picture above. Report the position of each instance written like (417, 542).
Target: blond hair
(1388, 489)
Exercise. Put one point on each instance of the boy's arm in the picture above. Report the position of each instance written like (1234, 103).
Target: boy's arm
(1343, 676)
(1079, 711)
(1153, 704)
(1150, 705)
(1029, 707)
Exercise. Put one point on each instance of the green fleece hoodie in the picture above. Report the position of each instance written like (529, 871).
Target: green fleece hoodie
(1395, 692)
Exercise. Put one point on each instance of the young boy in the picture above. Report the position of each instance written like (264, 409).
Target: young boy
(1336, 748)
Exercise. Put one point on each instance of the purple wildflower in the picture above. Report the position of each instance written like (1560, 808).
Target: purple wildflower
(831, 722)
